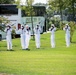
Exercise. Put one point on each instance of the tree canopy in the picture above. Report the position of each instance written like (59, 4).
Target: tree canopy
(60, 5)
(7, 1)
(3, 22)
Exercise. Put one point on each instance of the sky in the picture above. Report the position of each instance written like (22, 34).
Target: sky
(36, 1)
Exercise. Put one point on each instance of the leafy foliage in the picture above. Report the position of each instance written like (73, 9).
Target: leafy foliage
(3, 22)
(60, 5)
(7, 1)
(28, 9)
(73, 28)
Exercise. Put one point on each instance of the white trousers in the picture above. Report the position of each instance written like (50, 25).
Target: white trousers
(37, 40)
(9, 42)
(23, 44)
(67, 39)
(27, 40)
(52, 41)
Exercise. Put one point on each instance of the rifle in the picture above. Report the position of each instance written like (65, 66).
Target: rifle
(52, 28)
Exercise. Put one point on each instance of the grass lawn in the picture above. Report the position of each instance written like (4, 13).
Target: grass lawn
(44, 61)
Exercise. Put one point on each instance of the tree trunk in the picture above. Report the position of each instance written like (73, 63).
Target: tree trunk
(73, 11)
(32, 23)
(60, 8)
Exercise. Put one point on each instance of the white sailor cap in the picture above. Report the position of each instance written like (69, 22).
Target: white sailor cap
(52, 25)
(8, 25)
(27, 26)
(22, 26)
(67, 24)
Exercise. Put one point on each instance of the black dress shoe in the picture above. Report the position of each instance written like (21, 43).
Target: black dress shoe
(11, 50)
(28, 49)
(38, 48)
(8, 50)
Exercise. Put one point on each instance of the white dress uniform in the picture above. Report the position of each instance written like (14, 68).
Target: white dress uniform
(52, 38)
(23, 37)
(67, 35)
(37, 31)
(28, 36)
(8, 31)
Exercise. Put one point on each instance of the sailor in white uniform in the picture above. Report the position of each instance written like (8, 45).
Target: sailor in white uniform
(23, 37)
(52, 38)
(37, 31)
(28, 36)
(8, 31)
(67, 35)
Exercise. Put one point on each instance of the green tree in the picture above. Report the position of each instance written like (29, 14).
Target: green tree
(3, 22)
(71, 7)
(57, 5)
(60, 5)
(28, 8)
(29, 3)
(72, 30)
(7, 1)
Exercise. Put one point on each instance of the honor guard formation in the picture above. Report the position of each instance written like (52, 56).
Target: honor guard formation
(25, 36)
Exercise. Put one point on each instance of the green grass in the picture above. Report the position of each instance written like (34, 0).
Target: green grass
(44, 61)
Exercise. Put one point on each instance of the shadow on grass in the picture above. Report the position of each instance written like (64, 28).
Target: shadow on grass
(73, 42)
(5, 50)
(13, 46)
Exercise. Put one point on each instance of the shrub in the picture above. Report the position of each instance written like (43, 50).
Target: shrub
(72, 30)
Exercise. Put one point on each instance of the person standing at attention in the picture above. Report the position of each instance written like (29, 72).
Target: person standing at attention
(23, 37)
(52, 38)
(8, 31)
(28, 36)
(67, 34)
(37, 31)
